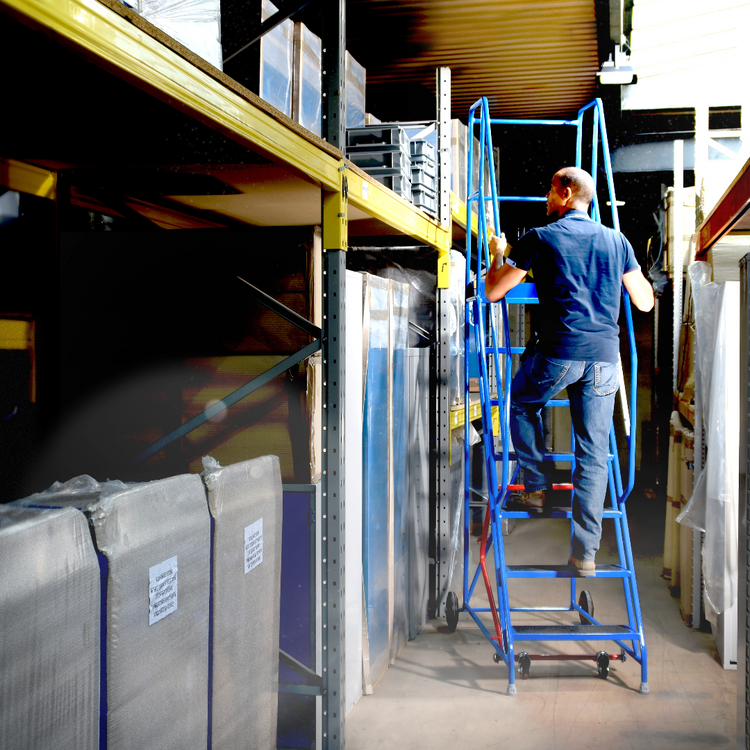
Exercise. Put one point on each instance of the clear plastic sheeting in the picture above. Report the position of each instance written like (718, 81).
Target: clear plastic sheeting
(152, 534)
(713, 505)
(245, 501)
(356, 77)
(385, 486)
(49, 631)
(276, 60)
(399, 325)
(419, 488)
(457, 298)
(194, 23)
(307, 104)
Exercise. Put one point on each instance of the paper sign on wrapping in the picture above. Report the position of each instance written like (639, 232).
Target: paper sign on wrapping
(162, 590)
(253, 545)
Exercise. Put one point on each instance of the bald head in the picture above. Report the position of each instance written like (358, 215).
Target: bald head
(581, 185)
(572, 188)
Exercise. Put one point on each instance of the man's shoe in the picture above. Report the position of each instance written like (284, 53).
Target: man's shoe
(532, 502)
(584, 568)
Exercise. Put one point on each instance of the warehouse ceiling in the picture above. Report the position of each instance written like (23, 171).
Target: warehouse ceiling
(530, 58)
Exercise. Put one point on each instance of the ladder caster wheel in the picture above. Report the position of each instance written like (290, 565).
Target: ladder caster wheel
(623, 656)
(524, 665)
(602, 664)
(586, 603)
(451, 611)
(496, 658)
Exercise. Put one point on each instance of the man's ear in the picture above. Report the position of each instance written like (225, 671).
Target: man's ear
(567, 195)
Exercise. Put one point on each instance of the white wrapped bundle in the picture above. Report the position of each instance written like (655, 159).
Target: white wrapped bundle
(49, 630)
(245, 500)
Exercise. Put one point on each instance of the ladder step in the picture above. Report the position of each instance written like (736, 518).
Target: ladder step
(547, 457)
(521, 487)
(563, 571)
(573, 632)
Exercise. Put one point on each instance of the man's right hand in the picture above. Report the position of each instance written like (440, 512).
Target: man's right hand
(498, 245)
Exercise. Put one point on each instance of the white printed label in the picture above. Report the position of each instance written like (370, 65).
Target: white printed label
(253, 545)
(162, 590)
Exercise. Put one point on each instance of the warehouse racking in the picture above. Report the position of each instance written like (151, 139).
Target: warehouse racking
(163, 115)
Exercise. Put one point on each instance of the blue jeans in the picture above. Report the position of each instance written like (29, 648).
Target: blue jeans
(591, 388)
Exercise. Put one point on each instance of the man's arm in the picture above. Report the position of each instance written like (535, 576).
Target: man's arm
(640, 290)
(501, 277)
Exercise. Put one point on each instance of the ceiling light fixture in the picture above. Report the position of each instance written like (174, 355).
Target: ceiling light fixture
(618, 71)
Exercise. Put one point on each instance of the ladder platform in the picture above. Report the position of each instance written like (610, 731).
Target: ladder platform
(552, 512)
(573, 632)
(563, 571)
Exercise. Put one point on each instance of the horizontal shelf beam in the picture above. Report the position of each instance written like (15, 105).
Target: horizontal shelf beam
(122, 47)
(27, 178)
(381, 203)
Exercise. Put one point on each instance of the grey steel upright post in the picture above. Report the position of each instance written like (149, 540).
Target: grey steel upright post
(743, 546)
(334, 72)
(443, 368)
(333, 506)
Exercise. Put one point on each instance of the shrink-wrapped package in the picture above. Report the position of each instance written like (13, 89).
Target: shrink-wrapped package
(49, 631)
(194, 23)
(307, 94)
(276, 61)
(154, 541)
(245, 500)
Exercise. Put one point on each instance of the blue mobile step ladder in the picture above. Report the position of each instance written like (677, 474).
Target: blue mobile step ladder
(488, 330)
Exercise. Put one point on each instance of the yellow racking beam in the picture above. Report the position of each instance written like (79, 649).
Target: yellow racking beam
(26, 178)
(117, 43)
(380, 203)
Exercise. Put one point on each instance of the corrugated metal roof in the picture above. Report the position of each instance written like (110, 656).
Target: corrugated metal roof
(531, 59)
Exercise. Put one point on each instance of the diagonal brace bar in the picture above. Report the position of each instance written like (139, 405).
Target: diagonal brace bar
(287, 10)
(226, 402)
(284, 311)
(311, 677)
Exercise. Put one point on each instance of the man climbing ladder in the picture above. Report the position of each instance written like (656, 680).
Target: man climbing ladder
(579, 267)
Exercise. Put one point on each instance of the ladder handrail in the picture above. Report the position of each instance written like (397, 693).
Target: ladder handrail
(480, 196)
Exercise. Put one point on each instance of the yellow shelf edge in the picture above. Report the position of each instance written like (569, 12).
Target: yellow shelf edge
(27, 178)
(379, 202)
(113, 39)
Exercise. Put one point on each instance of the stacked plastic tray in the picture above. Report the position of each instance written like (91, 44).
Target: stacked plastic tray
(423, 174)
(383, 152)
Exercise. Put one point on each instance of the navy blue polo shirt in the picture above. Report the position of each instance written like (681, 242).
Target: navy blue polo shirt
(578, 266)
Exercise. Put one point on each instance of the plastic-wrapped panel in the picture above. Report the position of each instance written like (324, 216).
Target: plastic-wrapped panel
(375, 474)
(355, 93)
(308, 82)
(385, 469)
(457, 297)
(353, 469)
(245, 500)
(276, 60)
(155, 540)
(194, 23)
(419, 488)
(49, 631)
(399, 325)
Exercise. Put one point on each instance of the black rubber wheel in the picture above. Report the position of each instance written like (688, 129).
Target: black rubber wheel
(451, 611)
(602, 664)
(524, 664)
(586, 603)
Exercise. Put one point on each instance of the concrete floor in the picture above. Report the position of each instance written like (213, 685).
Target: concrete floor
(445, 691)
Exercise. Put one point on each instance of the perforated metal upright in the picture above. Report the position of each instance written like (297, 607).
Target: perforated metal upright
(442, 369)
(495, 353)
